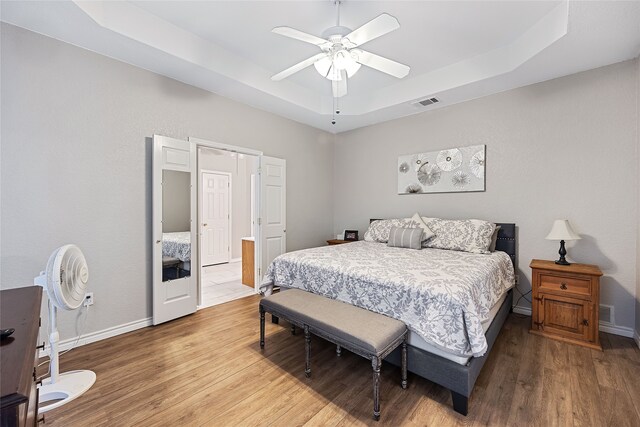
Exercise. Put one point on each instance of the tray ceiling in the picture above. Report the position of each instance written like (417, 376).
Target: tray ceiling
(456, 50)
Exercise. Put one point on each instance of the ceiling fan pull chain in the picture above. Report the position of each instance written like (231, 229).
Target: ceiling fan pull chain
(335, 107)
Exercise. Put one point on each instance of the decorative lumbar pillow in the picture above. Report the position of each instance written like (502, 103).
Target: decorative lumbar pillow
(468, 235)
(494, 239)
(378, 230)
(426, 231)
(403, 237)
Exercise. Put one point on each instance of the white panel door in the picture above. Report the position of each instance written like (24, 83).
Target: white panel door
(273, 210)
(216, 218)
(175, 288)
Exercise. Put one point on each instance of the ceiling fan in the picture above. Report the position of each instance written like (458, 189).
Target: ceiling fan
(341, 56)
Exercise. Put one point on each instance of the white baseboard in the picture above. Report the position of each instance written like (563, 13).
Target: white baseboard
(607, 327)
(610, 328)
(99, 335)
(235, 260)
(636, 337)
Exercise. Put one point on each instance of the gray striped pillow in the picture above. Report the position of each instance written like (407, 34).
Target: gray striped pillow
(410, 238)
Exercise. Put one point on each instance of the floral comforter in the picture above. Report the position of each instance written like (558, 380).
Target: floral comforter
(177, 245)
(442, 295)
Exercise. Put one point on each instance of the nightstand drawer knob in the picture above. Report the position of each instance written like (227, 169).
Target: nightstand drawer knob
(585, 322)
(563, 286)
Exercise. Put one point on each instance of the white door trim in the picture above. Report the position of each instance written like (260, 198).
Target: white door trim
(230, 227)
(233, 148)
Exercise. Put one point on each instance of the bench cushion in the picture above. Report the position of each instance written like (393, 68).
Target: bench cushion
(371, 332)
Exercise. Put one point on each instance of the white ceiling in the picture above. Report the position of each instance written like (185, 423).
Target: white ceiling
(456, 50)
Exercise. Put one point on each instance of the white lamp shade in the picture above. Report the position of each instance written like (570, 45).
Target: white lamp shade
(562, 230)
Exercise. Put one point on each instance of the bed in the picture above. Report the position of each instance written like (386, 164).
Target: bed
(177, 246)
(468, 298)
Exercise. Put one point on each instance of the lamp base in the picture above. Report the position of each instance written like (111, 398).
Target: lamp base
(562, 253)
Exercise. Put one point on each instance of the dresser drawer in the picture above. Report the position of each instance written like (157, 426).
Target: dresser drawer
(562, 285)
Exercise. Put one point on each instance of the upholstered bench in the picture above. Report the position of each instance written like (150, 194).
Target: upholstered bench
(368, 334)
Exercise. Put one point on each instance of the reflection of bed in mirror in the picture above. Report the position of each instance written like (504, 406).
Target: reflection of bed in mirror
(176, 254)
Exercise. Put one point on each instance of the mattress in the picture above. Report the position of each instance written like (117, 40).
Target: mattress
(442, 296)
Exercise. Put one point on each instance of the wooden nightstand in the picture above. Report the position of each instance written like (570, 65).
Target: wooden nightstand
(566, 302)
(337, 241)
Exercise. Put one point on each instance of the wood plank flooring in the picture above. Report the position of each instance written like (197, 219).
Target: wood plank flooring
(208, 370)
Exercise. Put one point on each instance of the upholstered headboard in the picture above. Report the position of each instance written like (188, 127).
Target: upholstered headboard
(506, 239)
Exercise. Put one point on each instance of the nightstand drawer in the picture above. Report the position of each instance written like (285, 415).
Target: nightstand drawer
(564, 285)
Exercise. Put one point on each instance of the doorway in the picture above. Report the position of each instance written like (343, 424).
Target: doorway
(226, 204)
(177, 226)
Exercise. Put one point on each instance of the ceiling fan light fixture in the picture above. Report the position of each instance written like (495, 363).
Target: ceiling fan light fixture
(323, 66)
(342, 59)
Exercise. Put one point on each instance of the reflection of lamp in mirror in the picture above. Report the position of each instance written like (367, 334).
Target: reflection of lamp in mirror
(561, 230)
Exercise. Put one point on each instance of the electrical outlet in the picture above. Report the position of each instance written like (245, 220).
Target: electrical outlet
(88, 299)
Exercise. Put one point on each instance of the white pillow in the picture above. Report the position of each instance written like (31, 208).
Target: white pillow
(426, 231)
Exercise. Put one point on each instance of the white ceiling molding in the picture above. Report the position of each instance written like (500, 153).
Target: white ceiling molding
(457, 50)
(499, 61)
(130, 21)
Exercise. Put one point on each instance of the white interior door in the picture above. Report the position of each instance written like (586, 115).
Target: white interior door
(273, 210)
(216, 218)
(175, 292)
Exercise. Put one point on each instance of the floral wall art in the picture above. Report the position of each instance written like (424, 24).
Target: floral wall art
(453, 170)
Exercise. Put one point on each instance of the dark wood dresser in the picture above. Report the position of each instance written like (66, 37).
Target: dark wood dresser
(566, 300)
(20, 310)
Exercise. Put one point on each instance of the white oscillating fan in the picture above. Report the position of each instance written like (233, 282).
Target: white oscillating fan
(66, 283)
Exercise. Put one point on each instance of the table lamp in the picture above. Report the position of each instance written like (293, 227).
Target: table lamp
(562, 231)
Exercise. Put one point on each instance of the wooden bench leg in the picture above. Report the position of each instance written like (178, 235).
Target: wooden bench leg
(338, 350)
(404, 363)
(261, 327)
(307, 351)
(274, 319)
(375, 363)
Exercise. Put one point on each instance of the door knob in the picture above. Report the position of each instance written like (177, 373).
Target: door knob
(204, 225)
(158, 241)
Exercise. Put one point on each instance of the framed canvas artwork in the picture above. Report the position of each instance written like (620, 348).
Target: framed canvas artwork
(443, 171)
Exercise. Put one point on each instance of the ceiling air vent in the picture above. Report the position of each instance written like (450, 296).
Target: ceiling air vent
(426, 101)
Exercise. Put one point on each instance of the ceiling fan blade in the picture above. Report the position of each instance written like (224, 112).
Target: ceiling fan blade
(380, 63)
(339, 87)
(299, 35)
(299, 66)
(375, 28)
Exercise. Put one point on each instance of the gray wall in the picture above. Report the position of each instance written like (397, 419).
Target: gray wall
(76, 166)
(241, 170)
(176, 201)
(565, 148)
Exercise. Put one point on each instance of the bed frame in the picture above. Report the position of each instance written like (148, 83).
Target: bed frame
(460, 379)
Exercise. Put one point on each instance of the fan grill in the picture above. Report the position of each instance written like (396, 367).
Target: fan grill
(67, 276)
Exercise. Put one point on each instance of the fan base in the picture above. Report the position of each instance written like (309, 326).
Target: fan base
(69, 386)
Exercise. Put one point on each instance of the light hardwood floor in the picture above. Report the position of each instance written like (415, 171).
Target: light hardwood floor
(207, 370)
